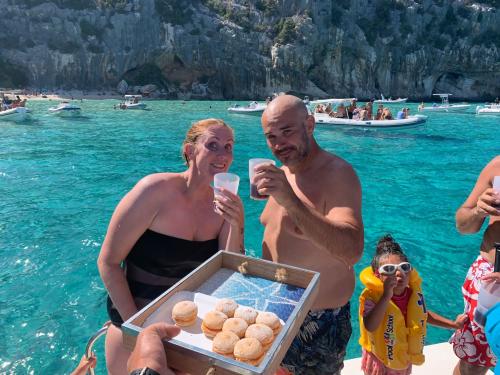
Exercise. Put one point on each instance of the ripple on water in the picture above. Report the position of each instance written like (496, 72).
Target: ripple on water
(61, 179)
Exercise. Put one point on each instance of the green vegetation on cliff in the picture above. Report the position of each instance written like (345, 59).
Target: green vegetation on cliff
(176, 12)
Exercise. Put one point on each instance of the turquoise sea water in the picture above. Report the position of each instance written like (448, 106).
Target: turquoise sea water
(60, 180)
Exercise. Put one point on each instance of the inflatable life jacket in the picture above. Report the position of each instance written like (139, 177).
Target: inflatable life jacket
(395, 342)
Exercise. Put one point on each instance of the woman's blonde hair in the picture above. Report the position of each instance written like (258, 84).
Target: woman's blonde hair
(198, 129)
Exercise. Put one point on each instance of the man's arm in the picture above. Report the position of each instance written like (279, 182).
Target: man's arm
(470, 216)
(339, 228)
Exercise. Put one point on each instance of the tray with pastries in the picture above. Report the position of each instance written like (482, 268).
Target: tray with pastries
(237, 314)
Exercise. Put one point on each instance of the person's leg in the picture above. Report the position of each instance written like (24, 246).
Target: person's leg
(320, 346)
(116, 354)
(464, 368)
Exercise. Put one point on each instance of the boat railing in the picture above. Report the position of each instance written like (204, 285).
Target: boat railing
(91, 342)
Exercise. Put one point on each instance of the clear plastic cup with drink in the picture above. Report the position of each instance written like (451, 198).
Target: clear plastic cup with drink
(252, 163)
(228, 181)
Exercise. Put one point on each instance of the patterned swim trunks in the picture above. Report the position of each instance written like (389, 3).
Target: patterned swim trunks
(320, 346)
(469, 342)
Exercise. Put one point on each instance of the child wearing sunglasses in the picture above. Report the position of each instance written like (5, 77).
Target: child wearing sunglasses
(392, 313)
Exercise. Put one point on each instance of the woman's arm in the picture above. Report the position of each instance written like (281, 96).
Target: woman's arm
(440, 321)
(133, 215)
(230, 207)
(470, 216)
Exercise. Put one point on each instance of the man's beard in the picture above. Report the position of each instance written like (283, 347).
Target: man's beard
(297, 153)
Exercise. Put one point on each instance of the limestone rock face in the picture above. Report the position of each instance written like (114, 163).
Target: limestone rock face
(248, 49)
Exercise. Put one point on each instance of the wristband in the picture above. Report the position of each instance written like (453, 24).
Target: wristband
(144, 371)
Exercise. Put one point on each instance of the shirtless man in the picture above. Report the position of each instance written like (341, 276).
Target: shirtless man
(482, 201)
(312, 220)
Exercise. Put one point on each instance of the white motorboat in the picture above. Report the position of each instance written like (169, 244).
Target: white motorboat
(66, 109)
(390, 100)
(445, 105)
(253, 108)
(15, 114)
(323, 118)
(345, 101)
(488, 109)
(132, 102)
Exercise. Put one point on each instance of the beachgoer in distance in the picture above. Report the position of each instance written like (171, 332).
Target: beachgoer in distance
(363, 113)
(319, 109)
(380, 109)
(369, 110)
(393, 301)
(351, 108)
(313, 226)
(469, 344)
(341, 111)
(356, 114)
(386, 114)
(482, 202)
(165, 227)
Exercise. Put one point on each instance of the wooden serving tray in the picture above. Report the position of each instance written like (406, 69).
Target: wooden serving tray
(250, 282)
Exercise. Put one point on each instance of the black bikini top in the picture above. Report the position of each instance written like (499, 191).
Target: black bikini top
(157, 261)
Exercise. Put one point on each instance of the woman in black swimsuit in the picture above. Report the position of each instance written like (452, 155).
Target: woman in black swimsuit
(165, 227)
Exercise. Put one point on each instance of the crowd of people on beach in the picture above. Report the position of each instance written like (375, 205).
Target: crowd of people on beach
(156, 237)
(362, 113)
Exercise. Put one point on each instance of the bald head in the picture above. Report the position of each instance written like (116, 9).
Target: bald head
(285, 104)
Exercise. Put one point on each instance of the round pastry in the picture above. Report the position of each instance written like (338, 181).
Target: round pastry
(184, 313)
(235, 325)
(262, 333)
(212, 323)
(227, 306)
(224, 343)
(246, 313)
(249, 350)
(269, 319)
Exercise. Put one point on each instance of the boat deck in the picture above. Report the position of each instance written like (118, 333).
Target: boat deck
(439, 359)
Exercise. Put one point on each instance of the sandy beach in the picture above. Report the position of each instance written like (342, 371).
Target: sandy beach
(61, 95)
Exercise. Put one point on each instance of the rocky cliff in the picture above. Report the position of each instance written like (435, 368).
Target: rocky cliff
(251, 48)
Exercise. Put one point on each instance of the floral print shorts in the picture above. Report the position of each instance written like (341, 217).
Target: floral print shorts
(320, 346)
(469, 343)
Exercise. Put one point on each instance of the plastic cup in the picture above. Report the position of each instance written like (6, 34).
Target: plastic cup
(252, 163)
(228, 181)
(496, 187)
(496, 184)
(489, 295)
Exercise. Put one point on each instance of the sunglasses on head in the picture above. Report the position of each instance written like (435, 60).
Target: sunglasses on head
(390, 269)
